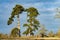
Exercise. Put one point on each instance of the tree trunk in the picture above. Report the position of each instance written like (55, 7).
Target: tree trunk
(18, 24)
(19, 33)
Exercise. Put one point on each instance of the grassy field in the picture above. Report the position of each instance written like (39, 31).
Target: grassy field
(31, 38)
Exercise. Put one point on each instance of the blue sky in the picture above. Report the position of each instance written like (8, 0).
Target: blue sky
(46, 8)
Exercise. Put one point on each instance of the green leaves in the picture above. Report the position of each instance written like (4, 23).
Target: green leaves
(29, 30)
(31, 9)
(14, 32)
(33, 12)
(10, 21)
(18, 9)
(25, 25)
(36, 22)
(32, 24)
(35, 27)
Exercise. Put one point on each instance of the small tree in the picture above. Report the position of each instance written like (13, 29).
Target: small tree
(51, 34)
(43, 31)
(14, 32)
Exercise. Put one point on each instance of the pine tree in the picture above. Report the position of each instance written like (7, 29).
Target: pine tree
(32, 22)
(18, 9)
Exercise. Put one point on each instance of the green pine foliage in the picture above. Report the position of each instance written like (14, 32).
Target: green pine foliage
(15, 32)
(18, 9)
(33, 23)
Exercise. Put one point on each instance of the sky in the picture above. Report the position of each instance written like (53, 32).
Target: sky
(46, 8)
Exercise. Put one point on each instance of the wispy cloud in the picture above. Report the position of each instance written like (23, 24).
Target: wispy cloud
(46, 8)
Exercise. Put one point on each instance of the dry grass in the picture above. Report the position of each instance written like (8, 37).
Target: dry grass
(31, 38)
